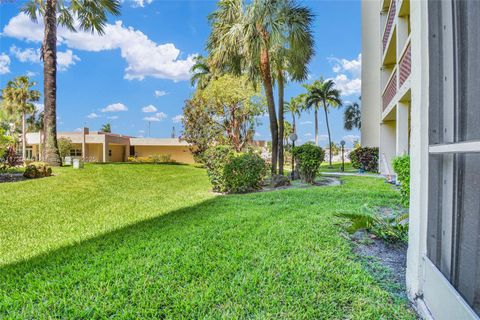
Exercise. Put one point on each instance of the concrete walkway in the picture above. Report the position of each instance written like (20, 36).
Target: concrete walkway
(355, 174)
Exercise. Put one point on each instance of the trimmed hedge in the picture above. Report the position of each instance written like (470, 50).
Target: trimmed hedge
(308, 158)
(365, 158)
(232, 172)
(162, 158)
(401, 166)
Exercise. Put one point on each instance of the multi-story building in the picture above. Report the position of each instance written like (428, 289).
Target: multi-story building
(420, 96)
(386, 94)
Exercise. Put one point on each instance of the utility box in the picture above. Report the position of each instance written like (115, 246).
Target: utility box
(77, 164)
(68, 161)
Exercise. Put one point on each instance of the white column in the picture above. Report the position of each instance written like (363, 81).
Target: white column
(387, 146)
(402, 129)
(105, 151)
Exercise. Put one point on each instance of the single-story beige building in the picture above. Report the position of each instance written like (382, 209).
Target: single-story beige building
(97, 146)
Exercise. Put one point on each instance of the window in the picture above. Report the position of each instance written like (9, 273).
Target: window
(453, 235)
(109, 153)
(75, 152)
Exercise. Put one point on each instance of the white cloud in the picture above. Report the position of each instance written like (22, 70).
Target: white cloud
(113, 117)
(348, 75)
(141, 131)
(160, 93)
(348, 86)
(159, 116)
(4, 63)
(323, 137)
(39, 107)
(178, 118)
(115, 107)
(64, 59)
(31, 74)
(93, 115)
(140, 3)
(351, 138)
(307, 134)
(150, 108)
(27, 55)
(78, 130)
(305, 122)
(144, 57)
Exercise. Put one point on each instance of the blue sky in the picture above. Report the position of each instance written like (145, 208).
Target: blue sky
(144, 58)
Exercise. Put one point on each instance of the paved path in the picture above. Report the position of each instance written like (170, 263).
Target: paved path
(339, 174)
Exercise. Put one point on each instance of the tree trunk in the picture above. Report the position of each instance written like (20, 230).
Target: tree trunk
(24, 142)
(329, 138)
(316, 126)
(267, 84)
(49, 55)
(293, 123)
(281, 123)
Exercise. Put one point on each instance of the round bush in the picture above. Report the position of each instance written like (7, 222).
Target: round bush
(244, 172)
(37, 170)
(308, 158)
(365, 158)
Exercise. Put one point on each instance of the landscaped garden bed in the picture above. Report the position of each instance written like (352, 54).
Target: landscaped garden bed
(153, 241)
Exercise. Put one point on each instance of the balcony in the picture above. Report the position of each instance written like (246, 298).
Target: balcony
(390, 90)
(389, 23)
(405, 64)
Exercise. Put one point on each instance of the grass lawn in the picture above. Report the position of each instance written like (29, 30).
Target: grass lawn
(151, 241)
(336, 167)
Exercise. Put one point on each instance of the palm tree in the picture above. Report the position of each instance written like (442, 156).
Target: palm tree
(245, 38)
(295, 107)
(106, 128)
(18, 99)
(201, 74)
(323, 93)
(352, 117)
(89, 16)
(292, 57)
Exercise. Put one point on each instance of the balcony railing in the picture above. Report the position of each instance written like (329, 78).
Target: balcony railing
(390, 90)
(389, 24)
(405, 65)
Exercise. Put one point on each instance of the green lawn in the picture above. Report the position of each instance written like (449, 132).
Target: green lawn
(151, 241)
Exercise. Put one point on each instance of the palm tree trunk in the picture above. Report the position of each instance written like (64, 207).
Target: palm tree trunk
(281, 123)
(49, 54)
(267, 84)
(329, 138)
(24, 142)
(293, 123)
(316, 126)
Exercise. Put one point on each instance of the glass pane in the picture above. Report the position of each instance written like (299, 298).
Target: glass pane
(467, 24)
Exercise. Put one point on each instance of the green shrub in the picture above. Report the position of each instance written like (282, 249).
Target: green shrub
(37, 170)
(215, 160)
(391, 228)
(365, 158)
(64, 146)
(233, 172)
(244, 172)
(401, 166)
(308, 158)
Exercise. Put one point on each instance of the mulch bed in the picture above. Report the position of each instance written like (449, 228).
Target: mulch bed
(11, 177)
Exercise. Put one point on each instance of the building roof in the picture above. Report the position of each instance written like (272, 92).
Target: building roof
(157, 142)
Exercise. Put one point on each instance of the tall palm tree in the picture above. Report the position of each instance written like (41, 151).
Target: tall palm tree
(291, 57)
(18, 99)
(352, 118)
(85, 15)
(106, 128)
(201, 74)
(295, 107)
(323, 93)
(245, 38)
